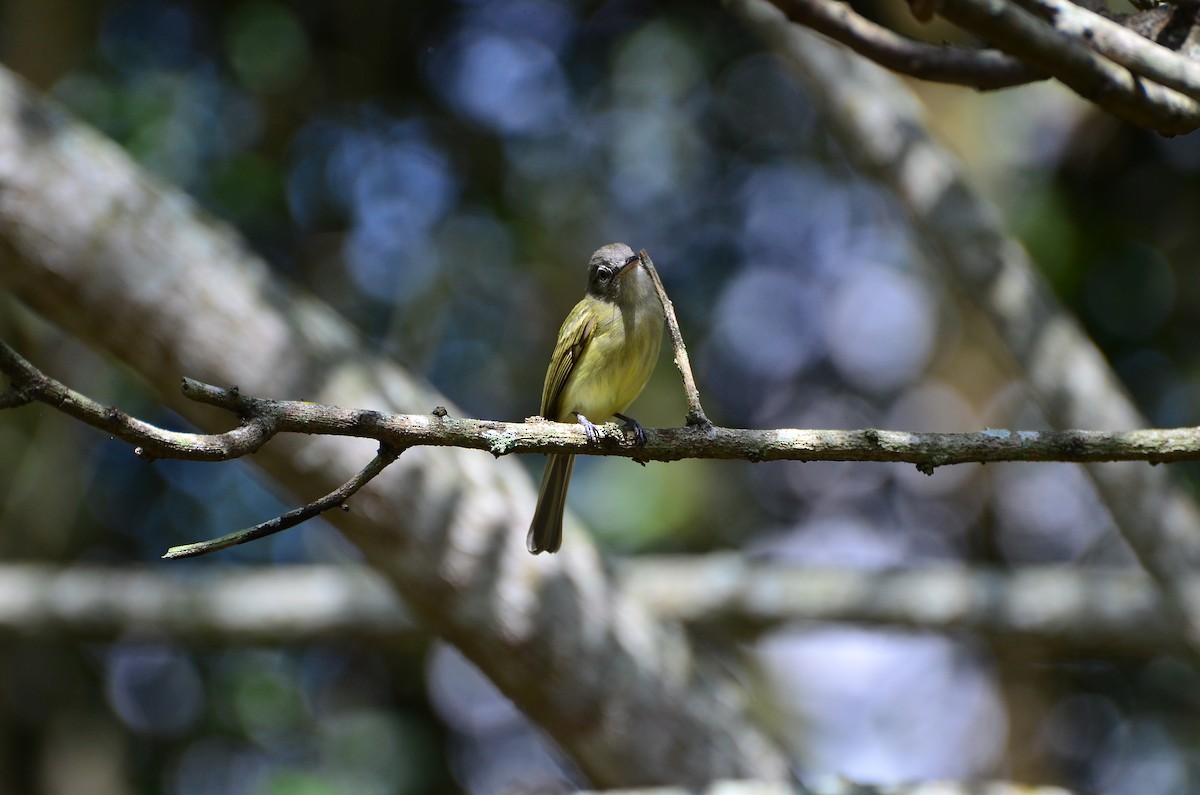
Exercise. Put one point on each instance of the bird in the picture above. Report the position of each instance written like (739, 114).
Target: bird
(605, 353)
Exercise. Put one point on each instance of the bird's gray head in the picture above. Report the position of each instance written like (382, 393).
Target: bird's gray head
(609, 268)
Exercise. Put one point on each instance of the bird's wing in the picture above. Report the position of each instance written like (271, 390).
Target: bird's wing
(573, 339)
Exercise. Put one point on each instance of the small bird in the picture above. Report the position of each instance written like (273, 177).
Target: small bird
(606, 350)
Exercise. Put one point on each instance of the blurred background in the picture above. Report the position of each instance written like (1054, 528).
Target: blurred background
(440, 172)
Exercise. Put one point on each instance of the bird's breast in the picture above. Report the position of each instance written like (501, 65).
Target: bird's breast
(616, 364)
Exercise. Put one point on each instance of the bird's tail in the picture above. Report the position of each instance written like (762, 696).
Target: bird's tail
(545, 531)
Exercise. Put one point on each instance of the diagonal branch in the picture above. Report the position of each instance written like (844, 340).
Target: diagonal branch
(696, 415)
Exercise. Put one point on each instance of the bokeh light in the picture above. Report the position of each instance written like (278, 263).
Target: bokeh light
(439, 173)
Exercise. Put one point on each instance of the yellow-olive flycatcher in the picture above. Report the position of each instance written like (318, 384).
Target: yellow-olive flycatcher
(607, 348)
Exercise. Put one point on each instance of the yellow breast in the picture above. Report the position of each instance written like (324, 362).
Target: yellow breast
(615, 365)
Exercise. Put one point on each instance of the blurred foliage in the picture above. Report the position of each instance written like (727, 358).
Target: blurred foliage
(440, 172)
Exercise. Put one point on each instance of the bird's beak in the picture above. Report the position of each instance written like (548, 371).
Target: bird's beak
(629, 265)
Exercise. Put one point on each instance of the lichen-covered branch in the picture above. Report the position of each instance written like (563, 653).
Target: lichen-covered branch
(926, 450)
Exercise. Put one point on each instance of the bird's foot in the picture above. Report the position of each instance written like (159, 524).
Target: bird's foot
(590, 429)
(639, 433)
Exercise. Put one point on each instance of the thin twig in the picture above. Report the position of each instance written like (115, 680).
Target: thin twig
(695, 416)
(335, 498)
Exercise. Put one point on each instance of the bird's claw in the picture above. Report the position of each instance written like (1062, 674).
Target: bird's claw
(639, 433)
(592, 434)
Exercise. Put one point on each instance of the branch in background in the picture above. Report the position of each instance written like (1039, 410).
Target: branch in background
(1121, 45)
(212, 605)
(1065, 610)
(836, 785)
(1061, 611)
(1018, 32)
(1174, 26)
(881, 125)
(1083, 49)
(986, 69)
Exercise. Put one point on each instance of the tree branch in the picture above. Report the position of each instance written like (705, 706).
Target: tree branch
(29, 384)
(1121, 45)
(986, 69)
(1081, 48)
(1091, 75)
(926, 450)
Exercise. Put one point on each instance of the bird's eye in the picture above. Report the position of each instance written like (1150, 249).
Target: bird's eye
(604, 275)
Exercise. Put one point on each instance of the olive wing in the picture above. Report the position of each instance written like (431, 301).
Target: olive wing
(573, 339)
